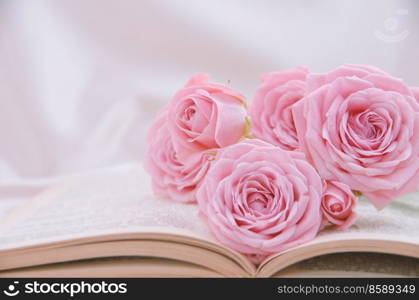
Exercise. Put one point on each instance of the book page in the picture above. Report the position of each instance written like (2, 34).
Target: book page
(354, 264)
(112, 201)
(398, 221)
(395, 230)
(115, 267)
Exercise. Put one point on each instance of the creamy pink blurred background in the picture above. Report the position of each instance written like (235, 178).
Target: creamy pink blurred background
(80, 80)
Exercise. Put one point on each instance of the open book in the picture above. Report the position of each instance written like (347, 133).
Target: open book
(109, 224)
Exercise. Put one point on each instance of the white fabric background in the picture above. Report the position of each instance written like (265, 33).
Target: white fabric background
(80, 80)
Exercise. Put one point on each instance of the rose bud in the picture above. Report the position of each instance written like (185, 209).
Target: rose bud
(205, 115)
(338, 205)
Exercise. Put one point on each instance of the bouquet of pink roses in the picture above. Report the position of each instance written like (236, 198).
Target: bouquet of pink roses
(271, 175)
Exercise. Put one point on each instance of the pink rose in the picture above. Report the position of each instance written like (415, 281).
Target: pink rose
(338, 205)
(360, 126)
(204, 115)
(270, 110)
(415, 91)
(170, 177)
(259, 199)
